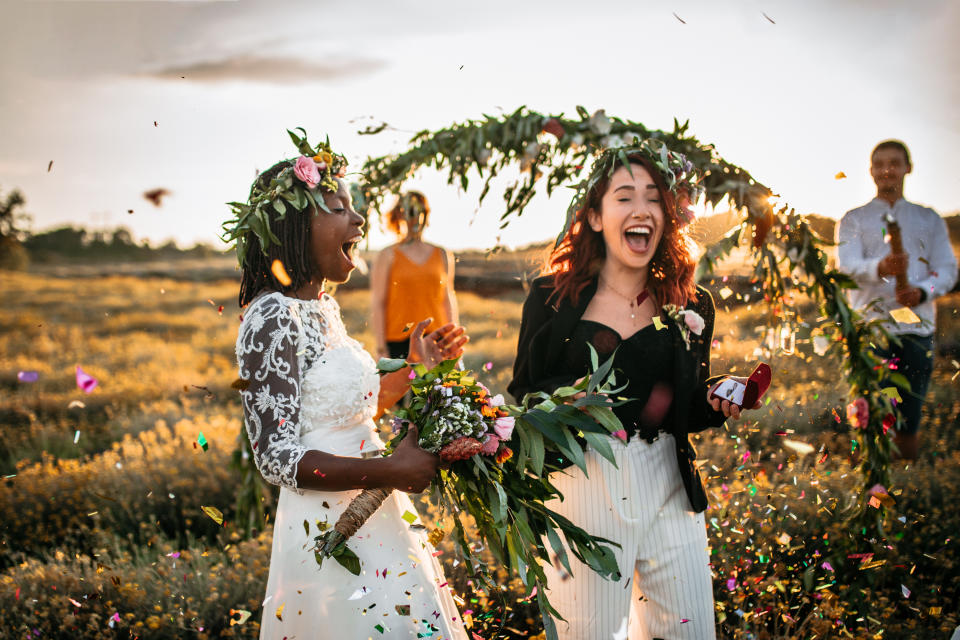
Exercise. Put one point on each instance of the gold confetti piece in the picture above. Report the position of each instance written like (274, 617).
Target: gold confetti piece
(243, 613)
(280, 273)
(840, 175)
(892, 393)
(214, 514)
(800, 447)
(280, 612)
(409, 517)
(726, 292)
(904, 315)
(658, 323)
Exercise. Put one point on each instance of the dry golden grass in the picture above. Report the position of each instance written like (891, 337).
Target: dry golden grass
(163, 354)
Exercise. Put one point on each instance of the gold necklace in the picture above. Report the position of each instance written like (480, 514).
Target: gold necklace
(634, 302)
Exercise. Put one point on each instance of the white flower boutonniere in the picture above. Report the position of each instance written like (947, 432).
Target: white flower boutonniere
(688, 321)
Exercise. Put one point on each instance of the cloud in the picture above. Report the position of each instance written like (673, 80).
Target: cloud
(272, 70)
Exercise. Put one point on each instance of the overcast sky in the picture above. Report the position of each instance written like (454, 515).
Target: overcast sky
(794, 91)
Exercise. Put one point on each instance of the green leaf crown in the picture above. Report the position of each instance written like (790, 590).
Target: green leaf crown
(679, 174)
(287, 188)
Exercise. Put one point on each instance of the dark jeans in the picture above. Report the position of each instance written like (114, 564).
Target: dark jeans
(913, 359)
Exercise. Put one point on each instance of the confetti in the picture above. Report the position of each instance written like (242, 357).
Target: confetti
(156, 196)
(840, 175)
(800, 447)
(488, 366)
(905, 591)
(892, 393)
(279, 613)
(725, 293)
(904, 315)
(679, 18)
(359, 593)
(217, 517)
(658, 323)
(49, 166)
(76, 436)
(409, 517)
(243, 614)
(85, 382)
(280, 273)
(27, 376)
(202, 441)
(402, 609)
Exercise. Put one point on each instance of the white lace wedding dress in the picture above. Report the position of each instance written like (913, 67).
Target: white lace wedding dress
(314, 387)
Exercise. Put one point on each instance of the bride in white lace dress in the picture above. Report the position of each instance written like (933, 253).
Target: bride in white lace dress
(308, 410)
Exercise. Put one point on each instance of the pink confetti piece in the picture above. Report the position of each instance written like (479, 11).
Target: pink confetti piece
(27, 376)
(621, 434)
(488, 366)
(411, 375)
(827, 566)
(77, 604)
(173, 554)
(732, 584)
(85, 381)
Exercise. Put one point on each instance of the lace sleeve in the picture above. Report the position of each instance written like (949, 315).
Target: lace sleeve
(269, 357)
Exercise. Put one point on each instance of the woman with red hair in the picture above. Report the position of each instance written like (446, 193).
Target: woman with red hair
(622, 281)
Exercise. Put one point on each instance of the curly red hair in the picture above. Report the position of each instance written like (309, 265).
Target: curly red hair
(580, 254)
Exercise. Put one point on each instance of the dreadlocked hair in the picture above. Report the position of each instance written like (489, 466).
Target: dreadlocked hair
(293, 230)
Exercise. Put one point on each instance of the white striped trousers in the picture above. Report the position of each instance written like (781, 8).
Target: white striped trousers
(665, 590)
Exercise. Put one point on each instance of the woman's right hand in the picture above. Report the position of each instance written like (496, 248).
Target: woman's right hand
(413, 468)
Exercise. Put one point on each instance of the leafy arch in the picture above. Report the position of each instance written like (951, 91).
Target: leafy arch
(787, 256)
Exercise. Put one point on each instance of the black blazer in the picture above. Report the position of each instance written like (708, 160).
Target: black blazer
(545, 326)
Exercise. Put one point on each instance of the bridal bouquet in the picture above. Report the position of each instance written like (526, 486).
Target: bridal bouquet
(502, 486)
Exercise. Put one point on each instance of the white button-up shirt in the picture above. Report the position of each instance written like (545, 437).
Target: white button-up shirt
(932, 265)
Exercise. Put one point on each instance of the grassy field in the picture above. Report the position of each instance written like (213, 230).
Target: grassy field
(103, 534)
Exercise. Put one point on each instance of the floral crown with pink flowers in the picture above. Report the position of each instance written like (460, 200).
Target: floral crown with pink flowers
(679, 174)
(298, 185)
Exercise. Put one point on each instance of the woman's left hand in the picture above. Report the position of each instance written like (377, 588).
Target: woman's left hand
(445, 343)
(729, 409)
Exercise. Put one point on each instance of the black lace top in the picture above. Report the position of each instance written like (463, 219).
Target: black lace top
(643, 361)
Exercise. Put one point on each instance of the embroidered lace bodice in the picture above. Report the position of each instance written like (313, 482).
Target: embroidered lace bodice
(305, 374)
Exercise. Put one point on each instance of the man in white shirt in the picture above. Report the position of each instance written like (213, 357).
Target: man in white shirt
(930, 267)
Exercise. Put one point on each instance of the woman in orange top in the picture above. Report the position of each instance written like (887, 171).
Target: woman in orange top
(411, 280)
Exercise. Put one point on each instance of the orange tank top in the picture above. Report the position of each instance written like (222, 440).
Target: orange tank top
(414, 292)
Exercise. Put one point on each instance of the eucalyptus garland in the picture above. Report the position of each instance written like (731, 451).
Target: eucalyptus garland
(788, 257)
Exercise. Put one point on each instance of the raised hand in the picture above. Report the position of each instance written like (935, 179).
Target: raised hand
(442, 344)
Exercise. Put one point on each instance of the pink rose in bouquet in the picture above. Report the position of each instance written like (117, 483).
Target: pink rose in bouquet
(504, 427)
